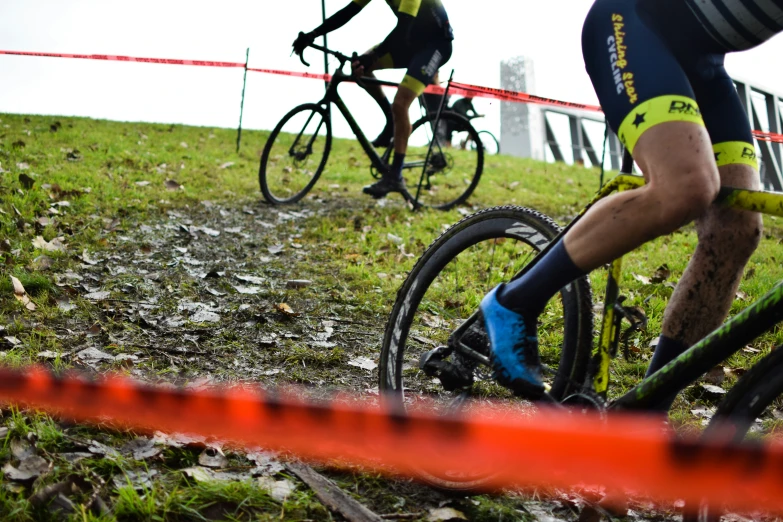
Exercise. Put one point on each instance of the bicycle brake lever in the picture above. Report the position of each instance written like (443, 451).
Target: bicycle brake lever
(301, 58)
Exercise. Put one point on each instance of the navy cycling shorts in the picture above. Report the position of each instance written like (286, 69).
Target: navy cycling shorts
(422, 61)
(650, 63)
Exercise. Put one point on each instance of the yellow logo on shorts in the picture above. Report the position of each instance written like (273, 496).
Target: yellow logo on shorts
(624, 81)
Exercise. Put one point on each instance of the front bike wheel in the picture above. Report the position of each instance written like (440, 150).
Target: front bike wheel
(748, 411)
(451, 174)
(446, 286)
(295, 154)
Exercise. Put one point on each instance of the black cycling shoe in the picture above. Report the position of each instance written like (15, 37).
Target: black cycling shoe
(384, 139)
(379, 189)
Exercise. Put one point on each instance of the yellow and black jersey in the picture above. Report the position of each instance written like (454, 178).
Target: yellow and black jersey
(431, 20)
(739, 24)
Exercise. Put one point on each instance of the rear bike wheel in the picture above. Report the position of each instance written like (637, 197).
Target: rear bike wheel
(450, 175)
(446, 286)
(295, 154)
(488, 141)
(746, 412)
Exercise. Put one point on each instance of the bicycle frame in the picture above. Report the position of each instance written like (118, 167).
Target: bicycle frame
(753, 321)
(331, 96)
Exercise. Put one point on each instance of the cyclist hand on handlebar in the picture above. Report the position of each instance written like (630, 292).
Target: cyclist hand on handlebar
(303, 41)
(362, 63)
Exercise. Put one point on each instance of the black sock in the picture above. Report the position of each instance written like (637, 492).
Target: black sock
(666, 351)
(529, 294)
(396, 166)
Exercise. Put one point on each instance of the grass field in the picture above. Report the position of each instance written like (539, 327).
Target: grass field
(146, 249)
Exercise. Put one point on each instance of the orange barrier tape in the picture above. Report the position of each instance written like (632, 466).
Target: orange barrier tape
(326, 77)
(624, 452)
(461, 89)
(109, 57)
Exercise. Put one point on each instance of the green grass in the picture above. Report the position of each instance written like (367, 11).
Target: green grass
(355, 251)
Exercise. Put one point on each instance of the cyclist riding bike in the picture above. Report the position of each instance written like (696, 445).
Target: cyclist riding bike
(657, 68)
(421, 42)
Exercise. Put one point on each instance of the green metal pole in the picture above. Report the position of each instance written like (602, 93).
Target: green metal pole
(242, 104)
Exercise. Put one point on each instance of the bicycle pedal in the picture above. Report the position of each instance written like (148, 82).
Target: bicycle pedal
(451, 376)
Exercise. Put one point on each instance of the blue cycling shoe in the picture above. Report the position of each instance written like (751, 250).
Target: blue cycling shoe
(513, 348)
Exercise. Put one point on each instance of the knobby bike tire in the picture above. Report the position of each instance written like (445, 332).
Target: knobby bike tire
(486, 135)
(264, 171)
(495, 225)
(448, 120)
(747, 401)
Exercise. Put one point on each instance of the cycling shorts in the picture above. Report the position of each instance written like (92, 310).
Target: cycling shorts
(651, 62)
(422, 61)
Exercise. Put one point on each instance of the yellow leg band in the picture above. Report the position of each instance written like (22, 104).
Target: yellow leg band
(735, 153)
(413, 84)
(655, 111)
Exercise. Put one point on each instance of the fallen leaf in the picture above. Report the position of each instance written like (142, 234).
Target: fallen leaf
(139, 480)
(29, 468)
(210, 231)
(65, 304)
(298, 283)
(285, 309)
(363, 362)
(275, 249)
(247, 290)
(205, 316)
(642, 279)
(48, 354)
(21, 449)
(278, 489)
(55, 245)
(661, 274)
(170, 184)
(13, 341)
(98, 296)
(397, 240)
(42, 263)
(750, 349)
(713, 390)
(140, 448)
(143, 183)
(96, 448)
(250, 279)
(445, 514)
(715, 376)
(26, 181)
(199, 474)
(742, 296)
(87, 259)
(94, 354)
(213, 458)
(21, 295)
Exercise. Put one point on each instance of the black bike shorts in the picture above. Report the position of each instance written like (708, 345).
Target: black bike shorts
(651, 62)
(422, 61)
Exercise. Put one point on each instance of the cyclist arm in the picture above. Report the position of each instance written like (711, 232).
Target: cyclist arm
(340, 18)
(406, 15)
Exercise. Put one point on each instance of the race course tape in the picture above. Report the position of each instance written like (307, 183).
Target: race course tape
(629, 453)
(462, 89)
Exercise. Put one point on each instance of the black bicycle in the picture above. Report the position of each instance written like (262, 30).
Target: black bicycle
(435, 344)
(298, 148)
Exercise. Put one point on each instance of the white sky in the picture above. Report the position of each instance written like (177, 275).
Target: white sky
(487, 31)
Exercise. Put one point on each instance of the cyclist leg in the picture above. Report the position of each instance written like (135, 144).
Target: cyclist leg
(648, 100)
(383, 62)
(727, 237)
(422, 69)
